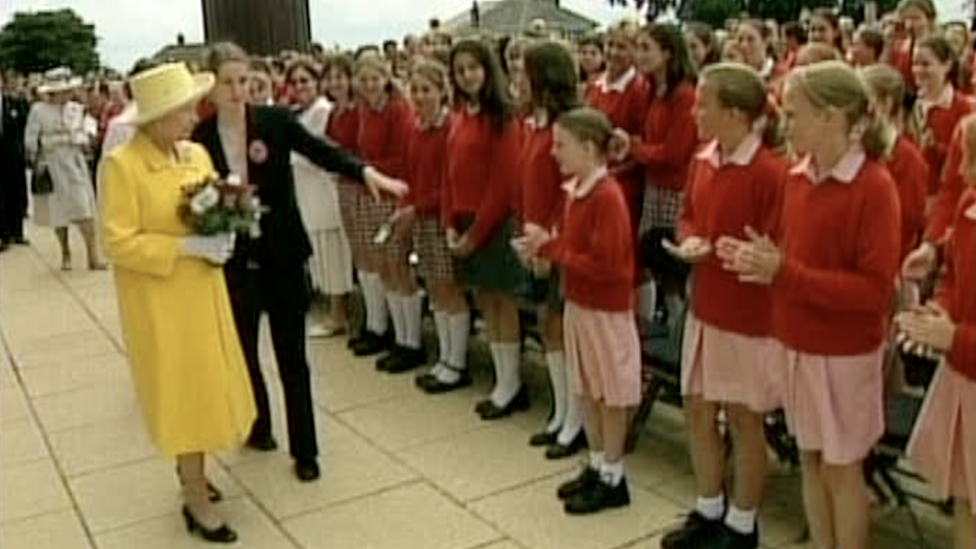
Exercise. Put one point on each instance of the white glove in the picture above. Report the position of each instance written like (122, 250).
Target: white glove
(216, 249)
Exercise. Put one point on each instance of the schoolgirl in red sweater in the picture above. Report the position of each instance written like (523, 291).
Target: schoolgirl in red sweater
(736, 182)
(385, 121)
(623, 93)
(482, 168)
(553, 90)
(939, 107)
(906, 164)
(595, 253)
(832, 268)
(919, 20)
(943, 445)
(420, 214)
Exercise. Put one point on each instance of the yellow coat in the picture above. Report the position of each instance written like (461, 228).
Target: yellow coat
(186, 360)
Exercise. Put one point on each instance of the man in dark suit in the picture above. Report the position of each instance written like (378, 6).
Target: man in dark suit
(13, 178)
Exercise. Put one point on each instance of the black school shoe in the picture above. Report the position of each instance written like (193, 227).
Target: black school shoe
(429, 383)
(370, 344)
(727, 538)
(695, 533)
(519, 403)
(383, 363)
(407, 359)
(562, 451)
(584, 481)
(600, 496)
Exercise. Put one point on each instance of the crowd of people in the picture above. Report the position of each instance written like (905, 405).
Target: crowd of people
(797, 196)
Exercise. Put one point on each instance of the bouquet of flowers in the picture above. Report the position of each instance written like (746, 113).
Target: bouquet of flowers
(217, 205)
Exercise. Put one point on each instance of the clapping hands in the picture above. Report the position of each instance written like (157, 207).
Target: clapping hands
(925, 330)
(691, 250)
(756, 260)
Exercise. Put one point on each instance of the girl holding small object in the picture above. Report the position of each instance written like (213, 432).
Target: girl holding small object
(736, 182)
(482, 146)
(595, 253)
(421, 214)
(943, 445)
(832, 269)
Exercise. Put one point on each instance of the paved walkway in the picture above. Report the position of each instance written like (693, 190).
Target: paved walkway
(401, 470)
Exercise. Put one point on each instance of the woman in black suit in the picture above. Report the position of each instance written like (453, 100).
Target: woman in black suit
(267, 274)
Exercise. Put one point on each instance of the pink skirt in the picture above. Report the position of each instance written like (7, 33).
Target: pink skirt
(603, 353)
(943, 444)
(834, 404)
(727, 367)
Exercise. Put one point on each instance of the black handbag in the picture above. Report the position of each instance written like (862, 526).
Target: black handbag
(41, 182)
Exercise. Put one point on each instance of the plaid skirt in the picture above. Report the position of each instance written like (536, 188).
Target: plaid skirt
(430, 243)
(352, 205)
(662, 208)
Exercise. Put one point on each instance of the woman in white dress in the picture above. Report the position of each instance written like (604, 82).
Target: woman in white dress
(330, 266)
(55, 140)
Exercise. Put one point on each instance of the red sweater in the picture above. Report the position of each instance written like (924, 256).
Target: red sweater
(482, 171)
(383, 136)
(541, 179)
(941, 216)
(957, 294)
(343, 128)
(910, 172)
(427, 167)
(942, 123)
(595, 249)
(900, 57)
(723, 201)
(669, 139)
(840, 242)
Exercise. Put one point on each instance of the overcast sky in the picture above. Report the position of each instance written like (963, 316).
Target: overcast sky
(129, 29)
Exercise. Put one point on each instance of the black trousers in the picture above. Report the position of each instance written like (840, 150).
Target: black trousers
(13, 202)
(283, 295)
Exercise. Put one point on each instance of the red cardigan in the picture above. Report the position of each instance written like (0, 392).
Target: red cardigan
(941, 216)
(482, 171)
(343, 127)
(595, 249)
(383, 136)
(669, 139)
(427, 167)
(943, 122)
(723, 201)
(840, 244)
(910, 172)
(541, 178)
(956, 293)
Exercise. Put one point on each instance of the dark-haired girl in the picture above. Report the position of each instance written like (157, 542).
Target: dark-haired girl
(478, 200)
(553, 90)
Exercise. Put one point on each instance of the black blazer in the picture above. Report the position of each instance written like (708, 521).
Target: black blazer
(272, 134)
(12, 159)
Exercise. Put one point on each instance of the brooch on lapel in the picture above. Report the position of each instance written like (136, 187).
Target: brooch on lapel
(258, 152)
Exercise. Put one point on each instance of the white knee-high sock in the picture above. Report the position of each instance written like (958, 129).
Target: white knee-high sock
(413, 310)
(573, 424)
(460, 329)
(557, 378)
(509, 378)
(374, 292)
(648, 301)
(443, 325)
(395, 301)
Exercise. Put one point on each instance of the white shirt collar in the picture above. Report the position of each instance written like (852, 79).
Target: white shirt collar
(943, 101)
(580, 189)
(844, 172)
(769, 65)
(743, 155)
(438, 121)
(539, 120)
(619, 85)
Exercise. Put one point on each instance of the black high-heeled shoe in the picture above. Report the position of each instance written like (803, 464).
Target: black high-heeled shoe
(222, 534)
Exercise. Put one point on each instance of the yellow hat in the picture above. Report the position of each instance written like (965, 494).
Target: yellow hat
(162, 90)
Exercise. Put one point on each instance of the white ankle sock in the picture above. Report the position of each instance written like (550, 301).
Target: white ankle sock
(374, 292)
(648, 300)
(612, 473)
(573, 424)
(509, 379)
(460, 328)
(413, 310)
(395, 302)
(711, 508)
(743, 522)
(560, 391)
(443, 336)
(596, 460)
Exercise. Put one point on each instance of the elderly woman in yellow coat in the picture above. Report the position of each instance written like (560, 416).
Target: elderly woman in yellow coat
(186, 359)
